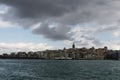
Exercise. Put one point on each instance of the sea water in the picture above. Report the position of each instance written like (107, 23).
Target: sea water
(24, 69)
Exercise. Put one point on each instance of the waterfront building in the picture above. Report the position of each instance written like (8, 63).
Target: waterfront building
(100, 53)
(30, 54)
(21, 54)
(13, 55)
(5, 55)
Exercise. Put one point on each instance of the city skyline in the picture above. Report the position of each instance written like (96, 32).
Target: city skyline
(72, 53)
(36, 25)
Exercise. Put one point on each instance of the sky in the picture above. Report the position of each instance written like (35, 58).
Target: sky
(36, 25)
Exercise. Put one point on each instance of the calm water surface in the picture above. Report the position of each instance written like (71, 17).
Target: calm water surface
(59, 70)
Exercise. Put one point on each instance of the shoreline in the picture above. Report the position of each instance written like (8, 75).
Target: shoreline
(52, 59)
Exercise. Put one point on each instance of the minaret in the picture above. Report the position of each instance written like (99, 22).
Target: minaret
(73, 46)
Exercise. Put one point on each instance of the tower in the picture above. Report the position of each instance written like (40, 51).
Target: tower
(73, 46)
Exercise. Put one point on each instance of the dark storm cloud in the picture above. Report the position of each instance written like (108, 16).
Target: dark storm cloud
(41, 8)
(30, 12)
(54, 33)
(65, 12)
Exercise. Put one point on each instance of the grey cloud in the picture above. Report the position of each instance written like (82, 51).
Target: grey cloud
(88, 41)
(54, 33)
(110, 28)
(64, 12)
(97, 43)
(92, 39)
(41, 8)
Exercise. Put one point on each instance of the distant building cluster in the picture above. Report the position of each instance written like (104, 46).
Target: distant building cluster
(67, 54)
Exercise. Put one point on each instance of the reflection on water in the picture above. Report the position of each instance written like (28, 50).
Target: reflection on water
(59, 70)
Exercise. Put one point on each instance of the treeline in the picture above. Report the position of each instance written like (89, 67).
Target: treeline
(23, 55)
